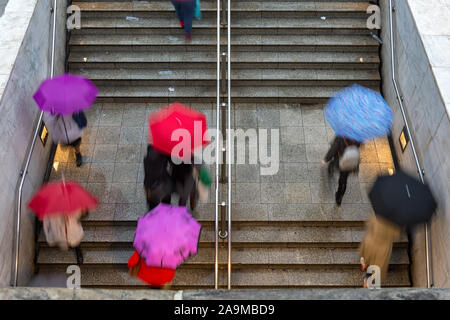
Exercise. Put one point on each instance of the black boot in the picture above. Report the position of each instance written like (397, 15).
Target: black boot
(339, 199)
(79, 255)
(79, 159)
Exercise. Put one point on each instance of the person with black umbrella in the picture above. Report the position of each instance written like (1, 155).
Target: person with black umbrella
(399, 201)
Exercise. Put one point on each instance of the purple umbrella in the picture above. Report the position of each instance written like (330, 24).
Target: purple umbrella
(65, 94)
(167, 236)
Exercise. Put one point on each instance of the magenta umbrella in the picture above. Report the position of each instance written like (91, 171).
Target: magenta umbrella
(166, 236)
(65, 94)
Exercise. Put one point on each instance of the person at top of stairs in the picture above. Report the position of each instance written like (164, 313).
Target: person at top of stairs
(185, 13)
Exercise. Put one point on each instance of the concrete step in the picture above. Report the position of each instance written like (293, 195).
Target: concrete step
(117, 276)
(294, 42)
(266, 75)
(242, 255)
(242, 233)
(305, 94)
(320, 214)
(273, 24)
(242, 6)
(130, 59)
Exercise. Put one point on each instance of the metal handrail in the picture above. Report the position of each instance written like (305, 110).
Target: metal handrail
(24, 172)
(229, 153)
(430, 281)
(216, 230)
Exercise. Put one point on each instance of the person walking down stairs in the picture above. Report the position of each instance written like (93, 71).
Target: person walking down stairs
(344, 155)
(65, 130)
(376, 248)
(185, 14)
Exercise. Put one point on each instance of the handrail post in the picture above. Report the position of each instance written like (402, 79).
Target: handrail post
(30, 153)
(430, 281)
(218, 138)
(229, 153)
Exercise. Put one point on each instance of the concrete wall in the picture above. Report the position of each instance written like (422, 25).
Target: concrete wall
(422, 46)
(24, 62)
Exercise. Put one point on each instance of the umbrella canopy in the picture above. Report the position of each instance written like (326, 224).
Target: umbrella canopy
(359, 113)
(65, 94)
(402, 199)
(166, 236)
(61, 198)
(164, 122)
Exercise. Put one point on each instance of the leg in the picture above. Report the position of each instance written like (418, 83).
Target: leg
(38, 229)
(79, 255)
(186, 189)
(78, 156)
(178, 10)
(343, 176)
(166, 199)
(193, 198)
(188, 8)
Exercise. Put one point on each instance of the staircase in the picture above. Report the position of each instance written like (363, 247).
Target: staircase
(287, 60)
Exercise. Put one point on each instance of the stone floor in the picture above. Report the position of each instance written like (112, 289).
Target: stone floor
(114, 144)
(113, 148)
(305, 137)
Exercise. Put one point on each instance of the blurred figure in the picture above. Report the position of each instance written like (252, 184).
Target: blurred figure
(185, 14)
(65, 130)
(183, 180)
(376, 247)
(157, 181)
(343, 155)
(202, 180)
(65, 231)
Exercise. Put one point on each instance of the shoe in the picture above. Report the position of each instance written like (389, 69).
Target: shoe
(338, 199)
(188, 37)
(363, 264)
(182, 24)
(79, 159)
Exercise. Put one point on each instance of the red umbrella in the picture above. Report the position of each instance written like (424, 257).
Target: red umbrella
(164, 122)
(63, 198)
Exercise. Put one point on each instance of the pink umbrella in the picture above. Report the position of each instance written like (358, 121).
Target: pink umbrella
(65, 94)
(167, 236)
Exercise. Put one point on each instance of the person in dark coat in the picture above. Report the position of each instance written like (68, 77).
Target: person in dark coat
(185, 14)
(157, 180)
(183, 181)
(332, 158)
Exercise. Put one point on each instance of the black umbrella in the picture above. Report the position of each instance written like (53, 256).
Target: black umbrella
(402, 199)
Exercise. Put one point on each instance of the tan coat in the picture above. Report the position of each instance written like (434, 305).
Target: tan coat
(376, 247)
(63, 231)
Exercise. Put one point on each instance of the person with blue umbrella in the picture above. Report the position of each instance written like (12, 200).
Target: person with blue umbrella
(356, 114)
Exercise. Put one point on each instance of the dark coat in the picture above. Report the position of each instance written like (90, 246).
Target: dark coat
(337, 149)
(155, 168)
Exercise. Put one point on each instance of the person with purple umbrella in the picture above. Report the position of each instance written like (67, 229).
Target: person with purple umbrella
(63, 98)
(66, 131)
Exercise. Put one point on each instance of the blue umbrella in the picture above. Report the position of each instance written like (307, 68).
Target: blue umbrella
(359, 113)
